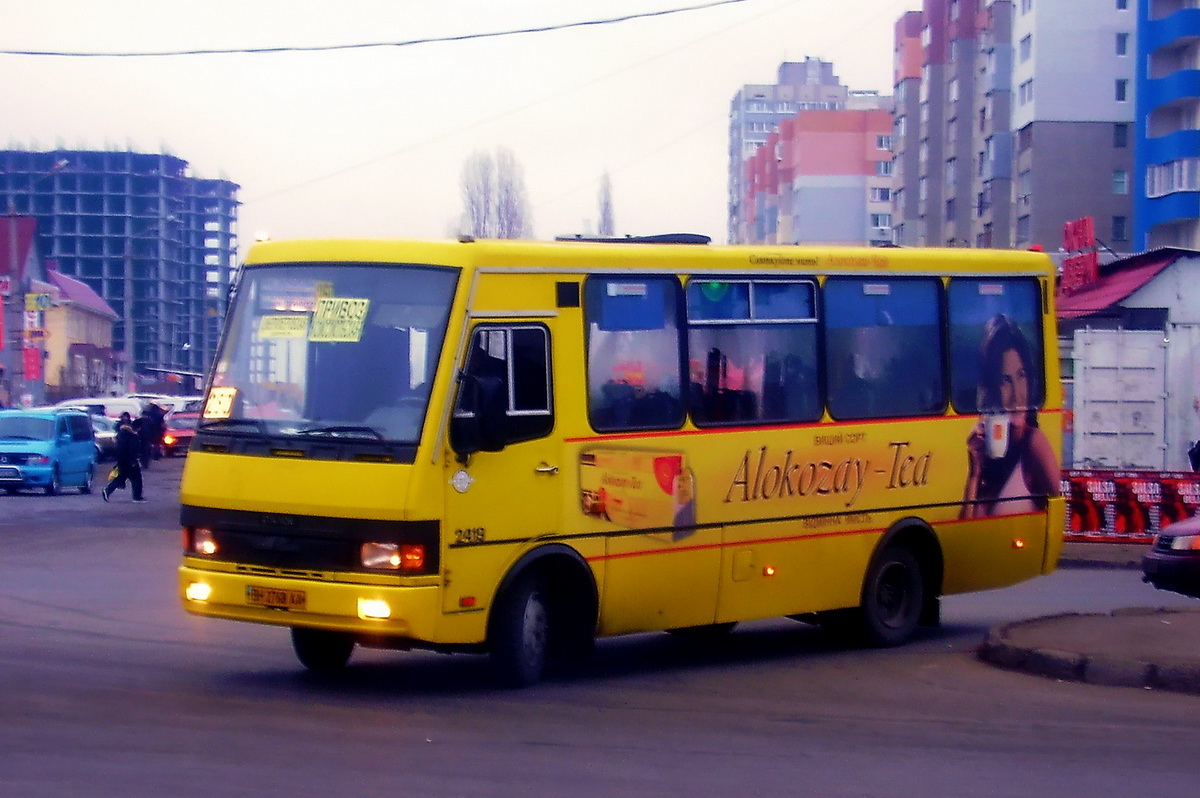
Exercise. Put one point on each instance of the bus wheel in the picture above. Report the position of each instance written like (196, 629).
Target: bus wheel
(892, 597)
(521, 635)
(322, 651)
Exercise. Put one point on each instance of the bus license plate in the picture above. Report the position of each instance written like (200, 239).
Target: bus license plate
(275, 598)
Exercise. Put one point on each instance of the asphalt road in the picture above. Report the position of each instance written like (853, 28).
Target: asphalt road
(107, 688)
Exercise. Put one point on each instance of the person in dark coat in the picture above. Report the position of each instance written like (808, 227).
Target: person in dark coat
(152, 428)
(129, 448)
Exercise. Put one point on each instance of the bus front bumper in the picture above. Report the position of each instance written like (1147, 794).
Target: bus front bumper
(388, 611)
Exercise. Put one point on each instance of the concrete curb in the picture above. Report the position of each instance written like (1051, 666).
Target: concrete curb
(1170, 673)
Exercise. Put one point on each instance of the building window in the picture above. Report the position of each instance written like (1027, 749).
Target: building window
(1120, 181)
(952, 91)
(881, 194)
(1172, 176)
(881, 220)
(1023, 229)
(951, 168)
(883, 143)
(1122, 5)
(1025, 48)
(950, 210)
(1121, 134)
(900, 126)
(1122, 90)
(1025, 92)
(1119, 228)
(1025, 138)
(923, 189)
(883, 168)
(1027, 6)
(1122, 44)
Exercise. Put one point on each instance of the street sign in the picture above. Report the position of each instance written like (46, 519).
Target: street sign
(37, 301)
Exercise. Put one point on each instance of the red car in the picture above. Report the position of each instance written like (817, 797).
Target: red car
(181, 428)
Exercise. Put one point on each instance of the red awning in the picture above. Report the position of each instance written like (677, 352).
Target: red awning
(1111, 288)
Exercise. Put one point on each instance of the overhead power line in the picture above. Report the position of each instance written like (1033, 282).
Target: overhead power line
(362, 46)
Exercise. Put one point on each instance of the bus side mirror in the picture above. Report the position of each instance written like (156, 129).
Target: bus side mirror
(487, 429)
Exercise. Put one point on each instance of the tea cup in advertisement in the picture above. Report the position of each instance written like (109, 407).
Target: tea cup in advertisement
(995, 433)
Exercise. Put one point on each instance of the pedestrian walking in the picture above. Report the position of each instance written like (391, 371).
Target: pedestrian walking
(128, 452)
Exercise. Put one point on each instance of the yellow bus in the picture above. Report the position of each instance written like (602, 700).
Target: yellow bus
(514, 448)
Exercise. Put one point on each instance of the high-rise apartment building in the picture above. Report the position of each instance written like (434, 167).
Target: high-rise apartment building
(1073, 78)
(757, 110)
(823, 177)
(1023, 113)
(156, 243)
(936, 184)
(906, 136)
(1167, 187)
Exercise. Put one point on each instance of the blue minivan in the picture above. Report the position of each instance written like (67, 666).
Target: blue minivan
(48, 449)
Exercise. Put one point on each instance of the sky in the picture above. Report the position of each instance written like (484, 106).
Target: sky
(371, 142)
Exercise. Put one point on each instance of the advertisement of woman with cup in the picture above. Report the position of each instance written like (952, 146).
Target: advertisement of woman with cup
(1011, 467)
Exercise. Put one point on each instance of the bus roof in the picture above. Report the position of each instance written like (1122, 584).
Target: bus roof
(590, 255)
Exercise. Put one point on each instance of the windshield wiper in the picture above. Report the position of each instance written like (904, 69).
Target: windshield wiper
(228, 423)
(340, 430)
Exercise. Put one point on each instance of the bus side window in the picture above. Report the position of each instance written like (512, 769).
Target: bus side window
(634, 353)
(883, 348)
(979, 306)
(752, 351)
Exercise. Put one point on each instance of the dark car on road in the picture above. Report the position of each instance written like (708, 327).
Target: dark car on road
(1173, 562)
(181, 428)
(105, 430)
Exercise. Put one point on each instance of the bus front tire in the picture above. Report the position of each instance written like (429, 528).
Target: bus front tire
(521, 635)
(320, 650)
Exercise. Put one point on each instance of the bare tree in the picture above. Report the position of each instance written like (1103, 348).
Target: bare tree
(494, 199)
(478, 190)
(607, 227)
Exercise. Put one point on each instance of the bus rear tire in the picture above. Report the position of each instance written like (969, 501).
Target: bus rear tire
(520, 641)
(893, 595)
(322, 651)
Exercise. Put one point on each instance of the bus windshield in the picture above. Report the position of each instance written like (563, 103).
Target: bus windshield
(331, 350)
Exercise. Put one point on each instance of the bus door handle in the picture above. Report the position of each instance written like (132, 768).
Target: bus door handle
(545, 468)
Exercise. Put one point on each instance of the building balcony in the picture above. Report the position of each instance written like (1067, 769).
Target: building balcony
(1163, 91)
(1183, 24)
(1170, 208)
(1172, 147)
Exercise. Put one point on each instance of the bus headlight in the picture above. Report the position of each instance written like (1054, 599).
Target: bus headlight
(373, 608)
(198, 591)
(393, 556)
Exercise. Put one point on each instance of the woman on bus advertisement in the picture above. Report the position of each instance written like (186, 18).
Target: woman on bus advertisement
(1011, 466)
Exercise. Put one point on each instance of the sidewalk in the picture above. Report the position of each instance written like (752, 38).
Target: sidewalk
(1138, 647)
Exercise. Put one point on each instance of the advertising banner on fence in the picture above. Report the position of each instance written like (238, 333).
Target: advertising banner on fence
(1127, 506)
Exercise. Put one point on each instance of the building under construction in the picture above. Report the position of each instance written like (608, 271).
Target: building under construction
(158, 244)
